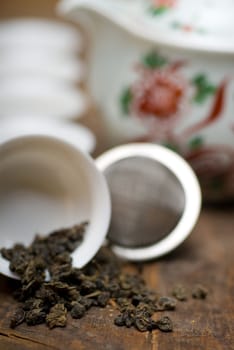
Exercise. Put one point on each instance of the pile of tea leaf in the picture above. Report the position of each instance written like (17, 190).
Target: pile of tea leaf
(73, 290)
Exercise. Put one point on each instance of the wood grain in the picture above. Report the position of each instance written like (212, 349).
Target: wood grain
(206, 257)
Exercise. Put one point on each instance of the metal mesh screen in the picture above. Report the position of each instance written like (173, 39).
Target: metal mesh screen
(147, 201)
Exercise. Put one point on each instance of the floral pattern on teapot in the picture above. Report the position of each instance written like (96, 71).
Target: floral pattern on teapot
(161, 96)
(158, 7)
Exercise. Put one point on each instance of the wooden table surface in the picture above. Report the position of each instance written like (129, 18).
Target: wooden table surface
(206, 257)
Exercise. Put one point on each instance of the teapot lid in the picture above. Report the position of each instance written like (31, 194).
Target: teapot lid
(205, 25)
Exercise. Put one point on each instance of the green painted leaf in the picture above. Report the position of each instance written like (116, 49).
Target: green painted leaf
(203, 88)
(156, 11)
(202, 94)
(154, 60)
(199, 79)
(196, 142)
(171, 147)
(125, 100)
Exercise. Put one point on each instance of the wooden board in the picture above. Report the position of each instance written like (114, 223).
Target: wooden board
(206, 257)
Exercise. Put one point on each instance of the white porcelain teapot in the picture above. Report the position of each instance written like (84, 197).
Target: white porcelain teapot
(163, 71)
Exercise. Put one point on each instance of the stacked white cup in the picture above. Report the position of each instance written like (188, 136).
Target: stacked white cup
(40, 74)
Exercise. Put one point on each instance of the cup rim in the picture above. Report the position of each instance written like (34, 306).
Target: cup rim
(75, 133)
(40, 32)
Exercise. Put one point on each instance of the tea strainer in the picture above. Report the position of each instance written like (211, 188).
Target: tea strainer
(155, 197)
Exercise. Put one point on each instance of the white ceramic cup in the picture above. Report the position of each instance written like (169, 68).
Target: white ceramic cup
(47, 184)
(40, 96)
(40, 63)
(37, 32)
(73, 133)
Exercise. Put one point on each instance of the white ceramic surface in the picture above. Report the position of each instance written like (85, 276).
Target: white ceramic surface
(46, 184)
(16, 63)
(40, 97)
(162, 71)
(201, 24)
(73, 133)
(38, 32)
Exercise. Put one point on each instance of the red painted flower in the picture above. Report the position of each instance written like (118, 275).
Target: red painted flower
(163, 3)
(159, 93)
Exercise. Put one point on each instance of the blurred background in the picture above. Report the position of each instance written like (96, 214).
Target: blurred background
(44, 76)
(35, 80)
